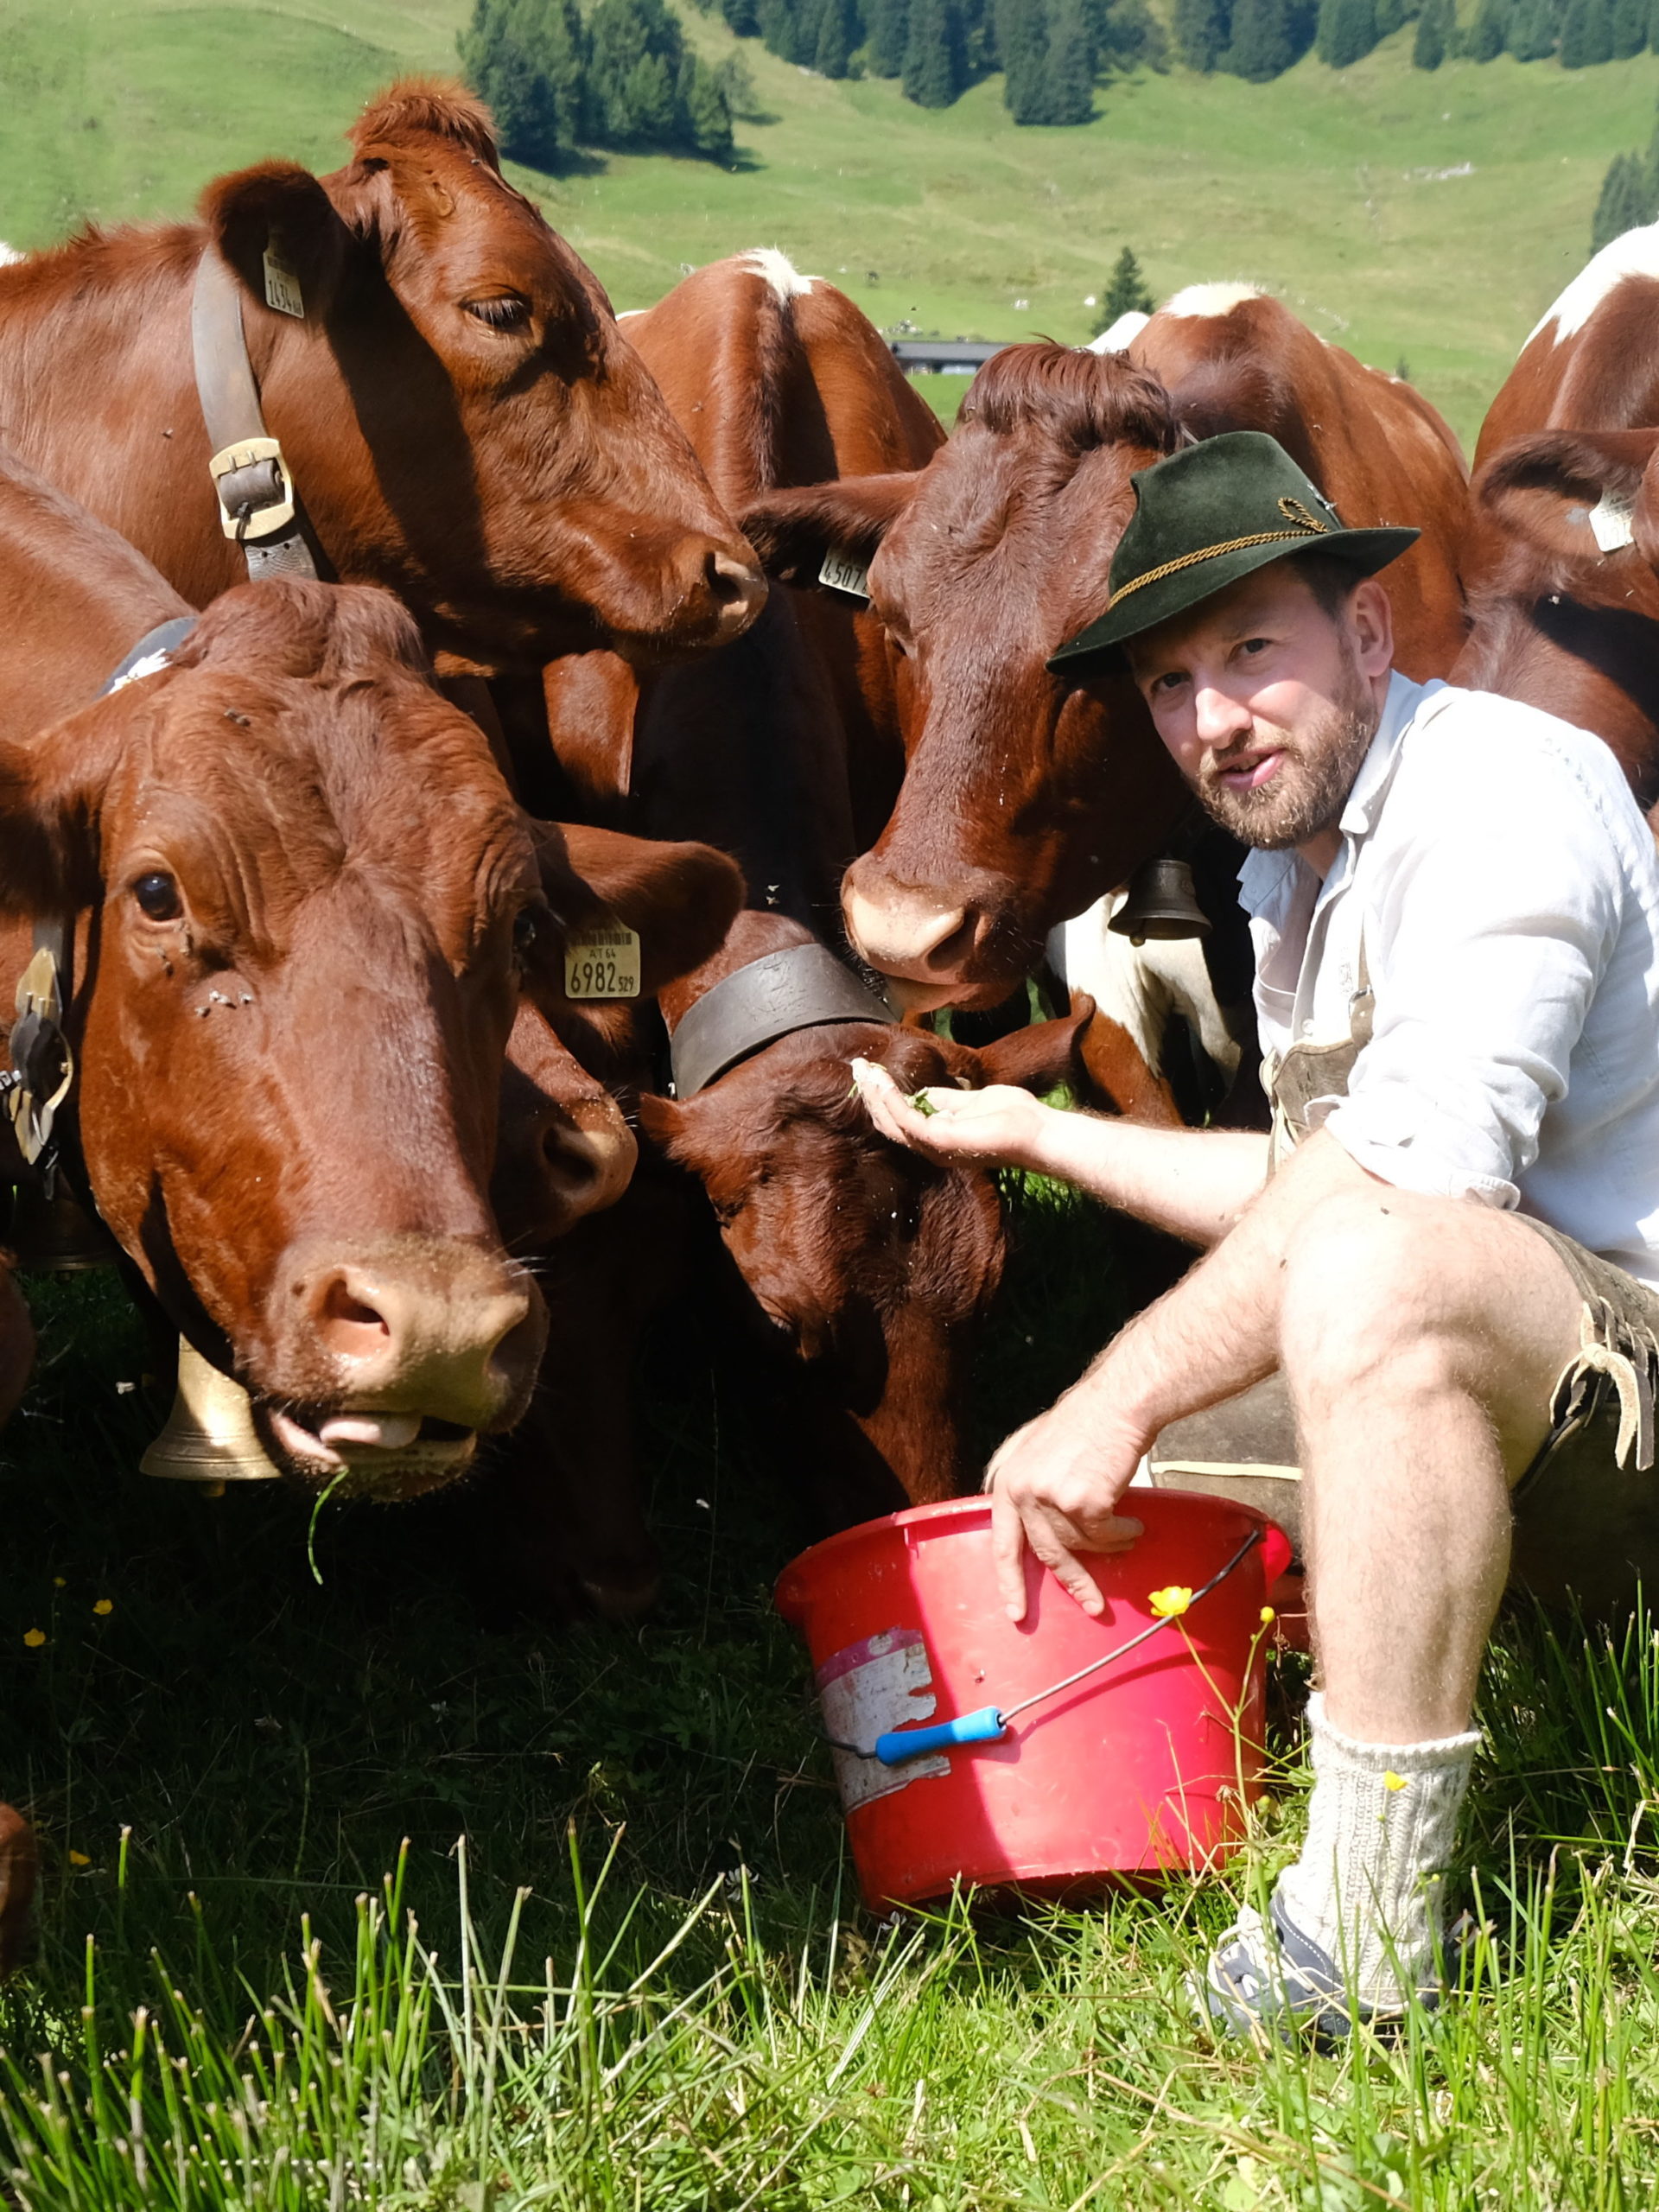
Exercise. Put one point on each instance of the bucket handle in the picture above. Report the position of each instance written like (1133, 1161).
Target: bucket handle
(991, 1723)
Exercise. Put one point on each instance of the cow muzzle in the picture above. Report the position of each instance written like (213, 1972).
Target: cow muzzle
(387, 1363)
(921, 942)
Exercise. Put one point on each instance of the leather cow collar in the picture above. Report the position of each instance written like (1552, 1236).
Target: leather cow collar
(257, 500)
(803, 986)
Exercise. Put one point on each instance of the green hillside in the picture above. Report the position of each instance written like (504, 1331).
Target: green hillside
(1419, 218)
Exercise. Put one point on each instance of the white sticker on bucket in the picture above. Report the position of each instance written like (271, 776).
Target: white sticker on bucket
(882, 1682)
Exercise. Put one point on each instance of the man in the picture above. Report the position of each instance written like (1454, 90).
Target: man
(1449, 1248)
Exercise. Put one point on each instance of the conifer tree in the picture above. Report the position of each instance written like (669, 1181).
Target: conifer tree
(1261, 46)
(1068, 73)
(1535, 26)
(1022, 41)
(1653, 28)
(1586, 35)
(1203, 30)
(936, 66)
(1347, 31)
(837, 36)
(889, 27)
(1488, 34)
(1126, 293)
(1429, 46)
(1629, 27)
(527, 59)
(740, 17)
(1623, 205)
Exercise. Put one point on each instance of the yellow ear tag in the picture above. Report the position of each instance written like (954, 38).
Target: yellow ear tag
(283, 285)
(601, 961)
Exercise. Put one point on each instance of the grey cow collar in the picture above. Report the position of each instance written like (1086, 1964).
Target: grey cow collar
(258, 503)
(803, 987)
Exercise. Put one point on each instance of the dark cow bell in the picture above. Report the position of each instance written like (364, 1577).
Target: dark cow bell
(1160, 902)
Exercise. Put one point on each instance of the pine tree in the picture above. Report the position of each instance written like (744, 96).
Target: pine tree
(1488, 34)
(1126, 293)
(837, 36)
(1629, 27)
(889, 22)
(1623, 205)
(1534, 28)
(1203, 30)
(527, 58)
(1262, 47)
(1347, 31)
(1653, 28)
(1069, 75)
(1391, 17)
(1429, 46)
(935, 66)
(1586, 35)
(707, 113)
(1022, 41)
(740, 17)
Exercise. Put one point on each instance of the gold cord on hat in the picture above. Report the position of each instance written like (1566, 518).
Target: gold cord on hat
(1308, 525)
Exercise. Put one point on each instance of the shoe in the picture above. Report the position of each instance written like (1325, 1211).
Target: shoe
(1268, 1977)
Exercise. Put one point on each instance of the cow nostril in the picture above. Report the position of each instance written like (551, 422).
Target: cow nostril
(733, 582)
(348, 1324)
(570, 1168)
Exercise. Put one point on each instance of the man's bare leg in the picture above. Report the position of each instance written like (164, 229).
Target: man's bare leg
(1421, 1339)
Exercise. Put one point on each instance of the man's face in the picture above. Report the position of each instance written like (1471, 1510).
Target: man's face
(1268, 704)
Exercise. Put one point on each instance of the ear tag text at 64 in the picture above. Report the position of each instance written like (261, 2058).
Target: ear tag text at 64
(603, 962)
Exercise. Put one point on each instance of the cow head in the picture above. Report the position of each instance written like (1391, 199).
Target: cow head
(308, 886)
(463, 417)
(1024, 796)
(872, 1263)
(1580, 496)
(565, 1148)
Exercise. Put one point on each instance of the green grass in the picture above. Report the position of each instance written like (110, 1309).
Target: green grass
(1345, 191)
(644, 1980)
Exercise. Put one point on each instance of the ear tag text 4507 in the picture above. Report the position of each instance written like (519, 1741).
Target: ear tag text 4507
(842, 572)
(603, 962)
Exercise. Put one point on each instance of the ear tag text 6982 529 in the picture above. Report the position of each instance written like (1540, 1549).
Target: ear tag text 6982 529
(603, 962)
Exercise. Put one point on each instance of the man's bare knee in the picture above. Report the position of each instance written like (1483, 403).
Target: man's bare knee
(1361, 1289)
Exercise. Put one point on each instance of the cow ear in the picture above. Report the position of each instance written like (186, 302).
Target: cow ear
(52, 787)
(277, 218)
(1043, 1055)
(795, 531)
(1571, 492)
(683, 1130)
(680, 899)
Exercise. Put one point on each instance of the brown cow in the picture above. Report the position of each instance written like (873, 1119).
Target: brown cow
(786, 747)
(1564, 595)
(1025, 799)
(303, 882)
(462, 418)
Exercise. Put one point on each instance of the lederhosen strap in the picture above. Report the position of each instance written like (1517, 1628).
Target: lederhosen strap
(1310, 1072)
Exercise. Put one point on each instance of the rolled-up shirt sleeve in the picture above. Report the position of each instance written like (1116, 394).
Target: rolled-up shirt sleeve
(1487, 941)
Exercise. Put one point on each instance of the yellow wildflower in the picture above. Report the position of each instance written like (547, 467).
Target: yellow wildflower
(105, 1605)
(58, 1582)
(1268, 1617)
(1169, 1603)
(34, 1637)
(1393, 1781)
(79, 1859)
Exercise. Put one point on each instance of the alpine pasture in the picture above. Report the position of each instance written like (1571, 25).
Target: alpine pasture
(270, 1972)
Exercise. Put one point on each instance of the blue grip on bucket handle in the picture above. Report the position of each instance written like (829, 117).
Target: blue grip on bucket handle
(898, 1745)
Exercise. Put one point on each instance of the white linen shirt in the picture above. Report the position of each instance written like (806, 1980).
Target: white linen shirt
(1508, 888)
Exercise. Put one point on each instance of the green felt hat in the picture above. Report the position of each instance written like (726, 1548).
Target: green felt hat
(1208, 515)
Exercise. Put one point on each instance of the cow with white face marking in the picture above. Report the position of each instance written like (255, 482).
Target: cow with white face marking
(1564, 548)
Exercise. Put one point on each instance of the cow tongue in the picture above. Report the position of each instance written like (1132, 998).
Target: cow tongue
(384, 1432)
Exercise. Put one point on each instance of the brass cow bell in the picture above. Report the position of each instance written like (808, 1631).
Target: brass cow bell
(1159, 902)
(210, 1437)
(56, 1235)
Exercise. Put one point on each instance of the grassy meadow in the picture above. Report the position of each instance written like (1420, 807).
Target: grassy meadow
(270, 1972)
(1427, 219)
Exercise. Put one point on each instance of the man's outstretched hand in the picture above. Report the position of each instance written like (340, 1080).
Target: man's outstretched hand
(1054, 1485)
(997, 1127)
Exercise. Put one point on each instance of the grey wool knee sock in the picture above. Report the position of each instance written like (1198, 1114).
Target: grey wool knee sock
(1381, 1828)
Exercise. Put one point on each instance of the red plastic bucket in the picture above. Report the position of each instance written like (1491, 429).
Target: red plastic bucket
(1142, 1769)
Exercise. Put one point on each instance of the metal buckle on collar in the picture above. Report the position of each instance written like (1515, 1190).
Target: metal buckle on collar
(263, 504)
(44, 1065)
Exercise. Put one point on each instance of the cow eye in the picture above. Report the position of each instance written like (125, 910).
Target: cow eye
(527, 930)
(157, 894)
(503, 311)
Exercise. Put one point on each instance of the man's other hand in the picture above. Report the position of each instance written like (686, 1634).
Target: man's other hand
(1054, 1485)
(995, 1127)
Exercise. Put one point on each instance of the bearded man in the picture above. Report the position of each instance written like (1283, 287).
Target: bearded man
(1445, 1257)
